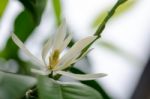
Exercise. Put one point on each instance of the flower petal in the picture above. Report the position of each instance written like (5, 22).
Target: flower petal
(67, 63)
(66, 42)
(39, 72)
(84, 54)
(82, 76)
(46, 49)
(76, 49)
(74, 60)
(59, 36)
(19, 43)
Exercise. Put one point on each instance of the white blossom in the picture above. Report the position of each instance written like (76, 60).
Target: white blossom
(57, 63)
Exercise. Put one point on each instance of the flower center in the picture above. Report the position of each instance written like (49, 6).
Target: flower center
(54, 59)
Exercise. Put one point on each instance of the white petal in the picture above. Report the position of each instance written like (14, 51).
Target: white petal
(66, 42)
(60, 36)
(71, 61)
(82, 76)
(46, 49)
(67, 63)
(39, 72)
(84, 54)
(22, 47)
(77, 48)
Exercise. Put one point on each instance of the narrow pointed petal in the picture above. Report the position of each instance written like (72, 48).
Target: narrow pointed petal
(67, 63)
(46, 49)
(82, 77)
(84, 54)
(77, 48)
(39, 72)
(60, 36)
(19, 43)
(66, 42)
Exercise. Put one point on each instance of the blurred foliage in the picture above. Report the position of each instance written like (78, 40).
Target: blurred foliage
(14, 86)
(119, 11)
(8, 66)
(3, 6)
(35, 7)
(23, 27)
(57, 11)
(67, 90)
(24, 24)
(102, 25)
(118, 51)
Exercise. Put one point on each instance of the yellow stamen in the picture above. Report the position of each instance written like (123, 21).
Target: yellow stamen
(53, 59)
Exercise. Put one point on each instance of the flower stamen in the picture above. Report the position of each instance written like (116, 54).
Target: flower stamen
(54, 59)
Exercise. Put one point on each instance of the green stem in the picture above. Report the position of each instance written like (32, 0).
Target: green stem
(103, 24)
(109, 15)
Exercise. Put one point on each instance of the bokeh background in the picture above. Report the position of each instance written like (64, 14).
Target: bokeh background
(122, 52)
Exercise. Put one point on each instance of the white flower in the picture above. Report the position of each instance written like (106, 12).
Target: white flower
(53, 50)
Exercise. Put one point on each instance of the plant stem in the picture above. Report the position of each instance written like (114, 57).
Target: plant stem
(103, 24)
(100, 29)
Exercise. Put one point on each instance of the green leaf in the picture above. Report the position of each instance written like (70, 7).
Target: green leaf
(50, 89)
(24, 24)
(119, 11)
(57, 10)
(35, 7)
(23, 27)
(3, 6)
(14, 86)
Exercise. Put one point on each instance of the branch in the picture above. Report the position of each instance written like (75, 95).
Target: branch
(103, 24)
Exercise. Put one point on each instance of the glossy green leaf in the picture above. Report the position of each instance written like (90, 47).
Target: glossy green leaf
(57, 10)
(14, 86)
(50, 89)
(119, 11)
(3, 4)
